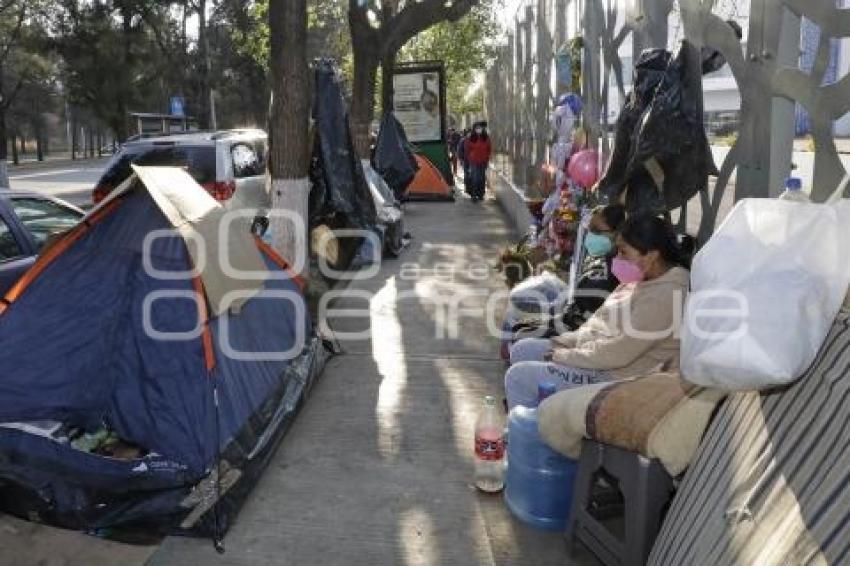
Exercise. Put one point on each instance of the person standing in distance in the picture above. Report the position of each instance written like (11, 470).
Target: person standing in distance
(478, 150)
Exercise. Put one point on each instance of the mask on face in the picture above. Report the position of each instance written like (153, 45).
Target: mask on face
(597, 244)
(479, 131)
(627, 271)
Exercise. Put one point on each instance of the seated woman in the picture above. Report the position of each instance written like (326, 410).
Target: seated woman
(634, 332)
(595, 281)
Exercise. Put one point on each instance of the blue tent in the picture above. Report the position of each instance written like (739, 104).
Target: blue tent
(114, 328)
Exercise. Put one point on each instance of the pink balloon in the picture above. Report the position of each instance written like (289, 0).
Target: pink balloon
(584, 168)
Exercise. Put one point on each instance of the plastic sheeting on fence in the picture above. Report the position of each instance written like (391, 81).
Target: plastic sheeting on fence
(661, 156)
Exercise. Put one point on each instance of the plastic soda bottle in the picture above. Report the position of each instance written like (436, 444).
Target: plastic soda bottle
(490, 447)
(794, 191)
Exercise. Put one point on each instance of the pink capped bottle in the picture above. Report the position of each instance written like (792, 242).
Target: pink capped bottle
(490, 447)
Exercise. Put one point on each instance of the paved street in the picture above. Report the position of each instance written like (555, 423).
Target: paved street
(68, 180)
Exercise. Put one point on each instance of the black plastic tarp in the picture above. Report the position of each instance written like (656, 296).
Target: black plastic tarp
(661, 156)
(394, 159)
(339, 195)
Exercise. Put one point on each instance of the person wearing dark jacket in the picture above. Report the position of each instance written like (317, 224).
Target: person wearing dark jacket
(461, 155)
(455, 139)
(477, 152)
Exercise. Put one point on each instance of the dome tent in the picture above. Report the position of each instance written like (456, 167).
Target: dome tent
(78, 351)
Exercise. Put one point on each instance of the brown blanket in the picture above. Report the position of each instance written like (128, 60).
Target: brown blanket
(626, 413)
(660, 416)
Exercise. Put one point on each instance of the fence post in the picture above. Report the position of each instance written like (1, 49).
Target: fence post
(767, 135)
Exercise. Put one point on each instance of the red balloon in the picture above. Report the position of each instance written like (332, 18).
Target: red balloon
(584, 168)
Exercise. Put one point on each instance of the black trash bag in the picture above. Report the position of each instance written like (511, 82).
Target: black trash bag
(339, 195)
(661, 155)
(394, 159)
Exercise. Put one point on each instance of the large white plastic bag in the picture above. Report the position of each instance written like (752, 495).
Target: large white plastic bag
(536, 294)
(787, 264)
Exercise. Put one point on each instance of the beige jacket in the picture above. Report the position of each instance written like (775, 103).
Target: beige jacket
(635, 332)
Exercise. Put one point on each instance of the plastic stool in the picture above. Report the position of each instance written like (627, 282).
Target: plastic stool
(647, 488)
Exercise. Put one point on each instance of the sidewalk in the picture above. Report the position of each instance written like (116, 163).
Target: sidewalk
(377, 468)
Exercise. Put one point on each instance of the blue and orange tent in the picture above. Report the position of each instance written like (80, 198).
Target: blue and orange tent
(198, 353)
(428, 183)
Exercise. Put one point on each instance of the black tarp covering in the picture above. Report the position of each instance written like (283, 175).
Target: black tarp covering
(339, 195)
(660, 130)
(394, 158)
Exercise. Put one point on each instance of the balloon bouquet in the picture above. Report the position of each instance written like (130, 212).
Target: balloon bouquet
(577, 171)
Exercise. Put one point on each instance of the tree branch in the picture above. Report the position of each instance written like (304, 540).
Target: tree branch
(10, 98)
(16, 34)
(417, 17)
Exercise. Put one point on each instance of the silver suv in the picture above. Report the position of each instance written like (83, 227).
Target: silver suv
(230, 164)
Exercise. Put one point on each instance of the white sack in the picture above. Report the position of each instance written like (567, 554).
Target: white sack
(765, 291)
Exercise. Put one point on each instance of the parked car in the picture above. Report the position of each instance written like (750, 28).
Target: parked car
(230, 164)
(27, 221)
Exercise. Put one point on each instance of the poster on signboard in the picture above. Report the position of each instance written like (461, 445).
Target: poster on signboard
(416, 99)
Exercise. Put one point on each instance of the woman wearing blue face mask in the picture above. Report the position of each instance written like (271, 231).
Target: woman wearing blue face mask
(595, 281)
(635, 331)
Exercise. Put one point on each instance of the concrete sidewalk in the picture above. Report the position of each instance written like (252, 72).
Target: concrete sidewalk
(378, 467)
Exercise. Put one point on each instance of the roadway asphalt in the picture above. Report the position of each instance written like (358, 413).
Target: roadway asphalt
(68, 180)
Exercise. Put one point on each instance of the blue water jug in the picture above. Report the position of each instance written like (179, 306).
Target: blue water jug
(539, 481)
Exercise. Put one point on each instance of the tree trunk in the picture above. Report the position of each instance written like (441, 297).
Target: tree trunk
(366, 65)
(73, 138)
(38, 130)
(122, 117)
(15, 159)
(91, 142)
(23, 142)
(288, 127)
(4, 170)
(387, 90)
(204, 117)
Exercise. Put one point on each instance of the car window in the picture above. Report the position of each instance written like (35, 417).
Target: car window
(198, 160)
(44, 218)
(246, 161)
(9, 247)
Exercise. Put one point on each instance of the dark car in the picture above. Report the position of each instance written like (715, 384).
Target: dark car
(27, 221)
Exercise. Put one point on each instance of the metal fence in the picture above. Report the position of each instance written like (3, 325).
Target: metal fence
(765, 70)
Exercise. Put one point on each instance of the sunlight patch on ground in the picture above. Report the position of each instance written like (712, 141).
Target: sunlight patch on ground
(388, 353)
(416, 537)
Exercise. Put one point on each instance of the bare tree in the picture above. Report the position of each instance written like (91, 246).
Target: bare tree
(14, 14)
(377, 34)
(288, 127)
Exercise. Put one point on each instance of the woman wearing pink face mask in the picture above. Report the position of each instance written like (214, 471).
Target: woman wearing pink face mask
(634, 332)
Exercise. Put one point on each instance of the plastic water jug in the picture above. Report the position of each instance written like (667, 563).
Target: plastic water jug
(539, 481)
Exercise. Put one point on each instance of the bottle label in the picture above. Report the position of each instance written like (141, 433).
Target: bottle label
(487, 448)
